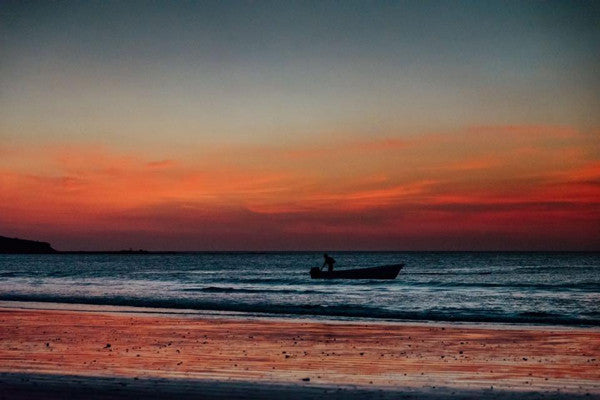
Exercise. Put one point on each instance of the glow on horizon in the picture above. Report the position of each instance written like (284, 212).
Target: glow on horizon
(536, 184)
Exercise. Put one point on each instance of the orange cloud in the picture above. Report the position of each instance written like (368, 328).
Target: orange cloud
(441, 187)
(344, 149)
(485, 162)
(161, 164)
(542, 131)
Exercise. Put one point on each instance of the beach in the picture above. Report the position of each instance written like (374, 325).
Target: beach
(299, 200)
(240, 356)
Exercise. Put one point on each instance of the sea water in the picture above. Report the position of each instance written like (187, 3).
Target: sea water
(503, 287)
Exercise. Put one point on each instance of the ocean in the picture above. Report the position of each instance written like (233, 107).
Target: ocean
(561, 289)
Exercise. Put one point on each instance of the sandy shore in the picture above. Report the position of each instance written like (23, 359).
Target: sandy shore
(306, 359)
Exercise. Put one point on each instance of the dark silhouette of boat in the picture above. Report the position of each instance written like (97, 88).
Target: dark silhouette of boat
(382, 272)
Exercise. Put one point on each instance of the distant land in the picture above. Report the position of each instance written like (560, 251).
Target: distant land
(24, 246)
(16, 246)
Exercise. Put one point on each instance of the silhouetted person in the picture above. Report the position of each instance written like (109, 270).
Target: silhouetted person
(329, 261)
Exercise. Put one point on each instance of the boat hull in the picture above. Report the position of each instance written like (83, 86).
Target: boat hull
(382, 272)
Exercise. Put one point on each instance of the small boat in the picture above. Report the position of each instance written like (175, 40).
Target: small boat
(382, 272)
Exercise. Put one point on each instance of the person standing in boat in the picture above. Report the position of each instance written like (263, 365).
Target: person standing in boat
(329, 261)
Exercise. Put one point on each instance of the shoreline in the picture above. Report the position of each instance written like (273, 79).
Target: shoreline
(224, 314)
(333, 354)
(184, 252)
(281, 312)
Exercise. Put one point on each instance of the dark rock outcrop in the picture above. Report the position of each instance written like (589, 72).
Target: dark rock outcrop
(21, 246)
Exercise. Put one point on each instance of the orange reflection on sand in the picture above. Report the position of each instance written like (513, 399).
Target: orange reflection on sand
(96, 344)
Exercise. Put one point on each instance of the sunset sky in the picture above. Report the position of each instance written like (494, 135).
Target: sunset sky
(301, 125)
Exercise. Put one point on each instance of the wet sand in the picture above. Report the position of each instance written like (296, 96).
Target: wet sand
(306, 359)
